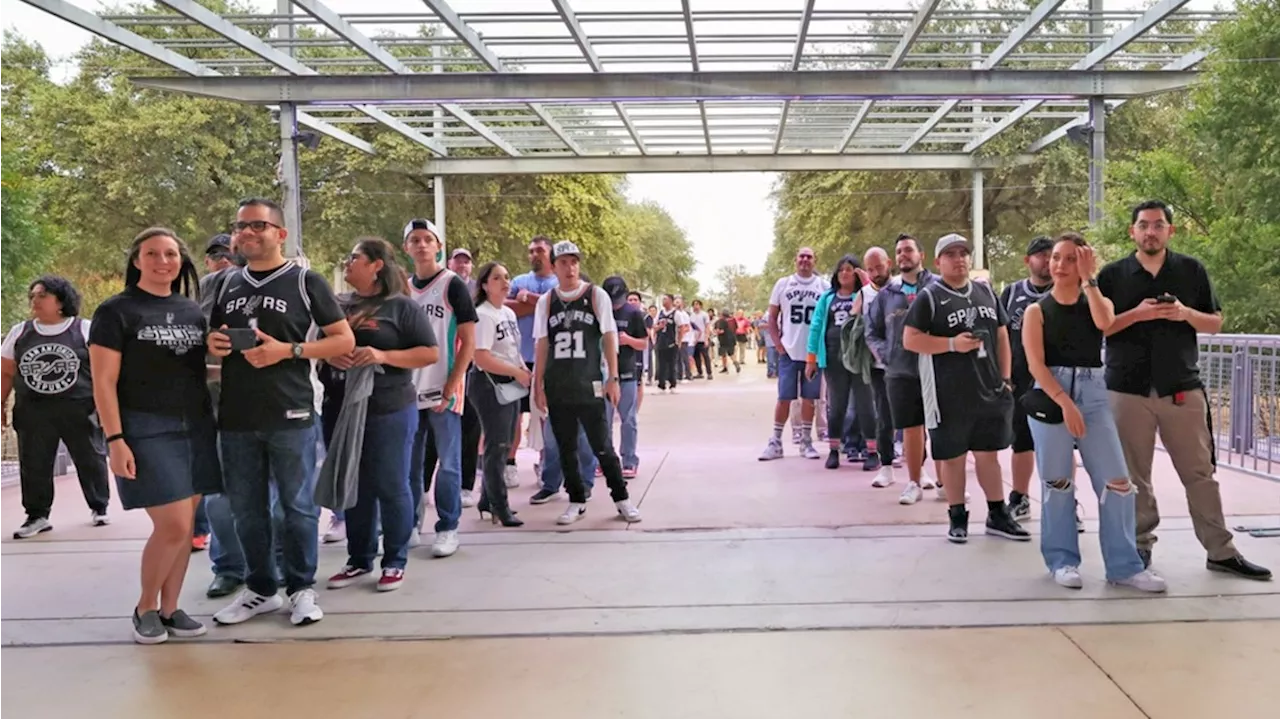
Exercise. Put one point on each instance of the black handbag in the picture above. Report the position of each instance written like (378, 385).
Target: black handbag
(1040, 407)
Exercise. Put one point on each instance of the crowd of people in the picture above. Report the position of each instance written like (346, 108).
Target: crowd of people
(212, 398)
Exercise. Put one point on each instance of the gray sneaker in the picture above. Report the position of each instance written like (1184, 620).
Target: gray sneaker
(180, 624)
(148, 628)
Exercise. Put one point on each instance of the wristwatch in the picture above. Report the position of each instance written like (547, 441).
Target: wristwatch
(296, 350)
(614, 379)
(1092, 282)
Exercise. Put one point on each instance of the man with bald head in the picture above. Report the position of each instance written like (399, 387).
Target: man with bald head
(873, 402)
(791, 308)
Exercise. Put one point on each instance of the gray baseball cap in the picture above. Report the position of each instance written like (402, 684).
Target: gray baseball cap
(565, 247)
(946, 242)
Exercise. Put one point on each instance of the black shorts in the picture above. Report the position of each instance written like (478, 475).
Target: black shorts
(906, 404)
(983, 433)
(1022, 439)
(726, 349)
(525, 407)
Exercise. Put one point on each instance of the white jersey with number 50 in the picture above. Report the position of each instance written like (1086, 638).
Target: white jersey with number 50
(796, 298)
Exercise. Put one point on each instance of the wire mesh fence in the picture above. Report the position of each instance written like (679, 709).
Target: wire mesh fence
(1241, 374)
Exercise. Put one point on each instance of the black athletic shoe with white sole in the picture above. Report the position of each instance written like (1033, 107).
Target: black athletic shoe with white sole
(1000, 524)
(959, 531)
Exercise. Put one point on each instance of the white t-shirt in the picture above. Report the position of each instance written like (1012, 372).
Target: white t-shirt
(698, 322)
(11, 339)
(602, 304)
(499, 332)
(796, 299)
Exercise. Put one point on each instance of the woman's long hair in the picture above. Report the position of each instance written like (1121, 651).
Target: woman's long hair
(391, 280)
(482, 278)
(187, 283)
(835, 276)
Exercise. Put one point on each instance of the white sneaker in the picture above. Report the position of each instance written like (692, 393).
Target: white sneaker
(304, 608)
(511, 475)
(1068, 577)
(572, 514)
(808, 451)
(468, 499)
(627, 510)
(772, 451)
(415, 538)
(942, 493)
(926, 482)
(99, 519)
(911, 494)
(32, 527)
(885, 477)
(446, 544)
(247, 605)
(337, 531)
(1144, 581)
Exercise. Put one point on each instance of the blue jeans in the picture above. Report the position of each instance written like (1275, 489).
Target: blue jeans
(252, 462)
(224, 545)
(630, 427)
(385, 459)
(444, 431)
(1104, 461)
(771, 361)
(552, 474)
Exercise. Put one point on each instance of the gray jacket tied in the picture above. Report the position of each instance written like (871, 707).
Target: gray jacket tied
(338, 485)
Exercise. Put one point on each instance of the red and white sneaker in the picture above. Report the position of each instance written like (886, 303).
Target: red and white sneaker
(390, 580)
(628, 472)
(346, 577)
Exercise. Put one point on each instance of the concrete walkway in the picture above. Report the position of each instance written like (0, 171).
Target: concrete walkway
(636, 619)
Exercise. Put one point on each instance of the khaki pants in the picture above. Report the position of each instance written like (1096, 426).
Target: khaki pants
(1184, 431)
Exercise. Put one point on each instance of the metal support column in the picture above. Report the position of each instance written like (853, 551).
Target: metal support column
(437, 132)
(1098, 127)
(979, 246)
(979, 242)
(288, 176)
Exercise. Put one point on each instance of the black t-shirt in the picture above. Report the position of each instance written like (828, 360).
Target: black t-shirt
(399, 324)
(837, 314)
(289, 304)
(161, 341)
(727, 328)
(967, 383)
(1015, 300)
(1160, 354)
(631, 322)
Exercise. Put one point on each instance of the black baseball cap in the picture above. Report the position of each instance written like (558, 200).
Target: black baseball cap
(1039, 244)
(218, 245)
(616, 287)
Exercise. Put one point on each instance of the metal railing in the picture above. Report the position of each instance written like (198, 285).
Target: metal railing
(1241, 375)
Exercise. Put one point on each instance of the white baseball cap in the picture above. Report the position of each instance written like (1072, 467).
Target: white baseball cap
(946, 242)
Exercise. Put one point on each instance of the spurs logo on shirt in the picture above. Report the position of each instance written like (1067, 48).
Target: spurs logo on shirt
(796, 298)
(49, 368)
(968, 316)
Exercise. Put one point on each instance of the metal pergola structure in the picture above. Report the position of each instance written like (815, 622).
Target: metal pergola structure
(621, 86)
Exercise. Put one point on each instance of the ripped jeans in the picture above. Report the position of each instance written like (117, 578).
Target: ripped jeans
(1104, 462)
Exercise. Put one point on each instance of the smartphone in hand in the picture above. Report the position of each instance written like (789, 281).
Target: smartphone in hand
(242, 338)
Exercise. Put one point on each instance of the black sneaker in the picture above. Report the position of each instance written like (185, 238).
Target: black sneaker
(833, 459)
(542, 496)
(180, 624)
(1240, 567)
(223, 585)
(1019, 506)
(871, 463)
(959, 532)
(1145, 555)
(148, 628)
(1000, 524)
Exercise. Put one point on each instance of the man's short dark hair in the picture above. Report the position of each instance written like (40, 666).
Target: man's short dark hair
(62, 290)
(1152, 205)
(635, 294)
(277, 213)
(540, 240)
(904, 236)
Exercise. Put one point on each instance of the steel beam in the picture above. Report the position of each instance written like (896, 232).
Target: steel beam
(206, 17)
(347, 32)
(580, 37)
(472, 40)
(693, 60)
(1186, 62)
(1154, 15)
(110, 31)
(743, 162)
(1019, 35)
(681, 86)
(796, 55)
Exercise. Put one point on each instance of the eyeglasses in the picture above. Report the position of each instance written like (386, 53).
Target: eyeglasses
(255, 225)
(351, 258)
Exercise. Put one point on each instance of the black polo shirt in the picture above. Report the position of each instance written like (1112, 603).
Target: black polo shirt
(1161, 354)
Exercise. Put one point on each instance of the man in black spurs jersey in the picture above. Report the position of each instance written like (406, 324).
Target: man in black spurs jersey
(268, 433)
(961, 334)
(576, 335)
(1015, 299)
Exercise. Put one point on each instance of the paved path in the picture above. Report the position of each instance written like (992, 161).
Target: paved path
(662, 619)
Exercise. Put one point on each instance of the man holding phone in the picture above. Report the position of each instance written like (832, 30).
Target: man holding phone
(268, 408)
(1163, 299)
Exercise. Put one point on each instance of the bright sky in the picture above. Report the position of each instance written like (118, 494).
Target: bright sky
(728, 217)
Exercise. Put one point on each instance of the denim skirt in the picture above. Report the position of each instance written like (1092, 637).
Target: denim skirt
(175, 457)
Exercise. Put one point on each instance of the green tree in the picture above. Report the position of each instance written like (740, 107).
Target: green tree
(26, 240)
